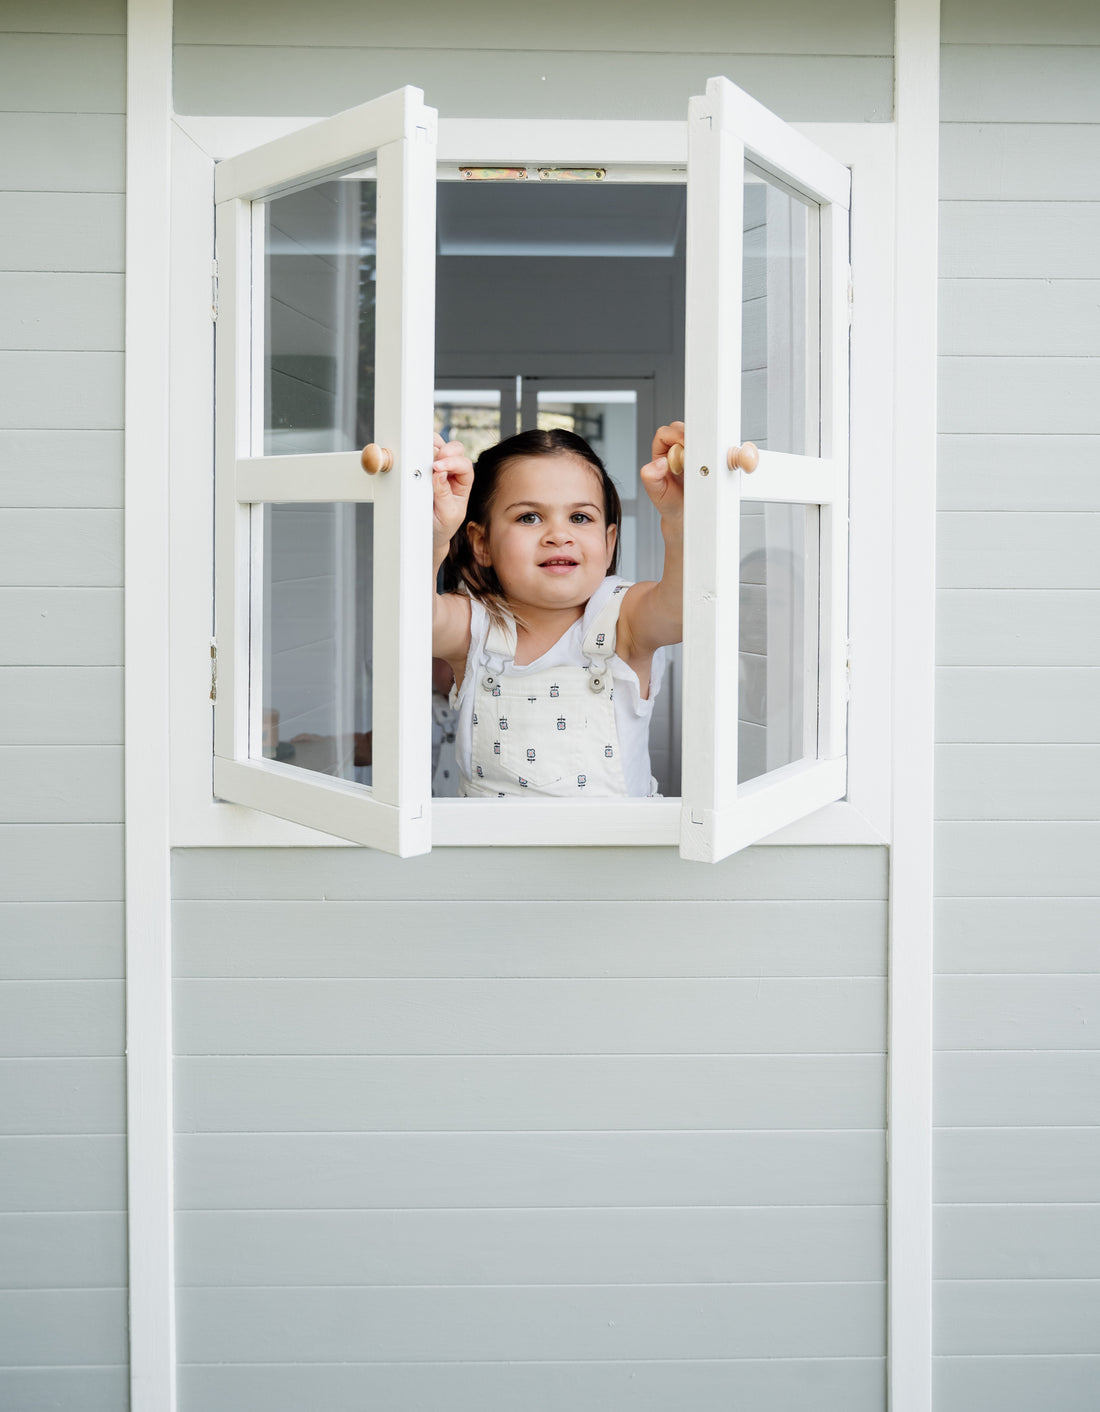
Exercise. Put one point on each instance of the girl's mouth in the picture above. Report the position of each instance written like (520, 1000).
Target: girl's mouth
(558, 566)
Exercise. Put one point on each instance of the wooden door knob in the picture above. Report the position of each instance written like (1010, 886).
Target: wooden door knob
(676, 459)
(376, 458)
(743, 458)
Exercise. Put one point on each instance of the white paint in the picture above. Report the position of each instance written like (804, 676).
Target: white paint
(909, 1251)
(148, 882)
(398, 134)
(863, 817)
(719, 815)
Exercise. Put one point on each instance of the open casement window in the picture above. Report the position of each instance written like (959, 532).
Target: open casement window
(323, 593)
(766, 573)
(326, 251)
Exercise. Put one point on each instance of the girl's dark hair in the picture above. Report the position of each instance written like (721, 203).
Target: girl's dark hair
(461, 571)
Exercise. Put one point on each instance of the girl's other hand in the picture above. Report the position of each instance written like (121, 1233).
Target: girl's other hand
(452, 481)
(663, 488)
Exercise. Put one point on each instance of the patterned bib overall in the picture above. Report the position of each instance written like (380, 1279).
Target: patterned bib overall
(549, 732)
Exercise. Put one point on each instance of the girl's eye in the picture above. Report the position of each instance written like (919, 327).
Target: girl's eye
(580, 518)
(530, 518)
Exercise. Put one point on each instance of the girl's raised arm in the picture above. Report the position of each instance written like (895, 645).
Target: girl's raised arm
(652, 614)
(452, 480)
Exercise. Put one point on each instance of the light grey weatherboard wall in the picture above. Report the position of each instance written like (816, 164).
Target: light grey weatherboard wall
(62, 1098)
(618, 1144)
(486, 1129)
(1018, 913)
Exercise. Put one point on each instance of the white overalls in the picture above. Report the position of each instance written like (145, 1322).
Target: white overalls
(553, 730)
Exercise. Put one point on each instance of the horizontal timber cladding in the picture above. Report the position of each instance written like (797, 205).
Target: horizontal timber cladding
(639, 1246)
(780, 1385)
(799, 27)
(92, 384)
(59, 468)
(62, 73)
(776, 939)
(502, 875)
(576, 1093)
(995, 549)
(59, 1327)
(62, 152)
(1015, 239)
(1017, 781)
(1027, 1316)
(544, 83)
(1017, 858)
(62, 1096)
(491, 60)
(310, 1172)
(71, 706)
(1019, 394)
(63, 1239)
(62, 231)
(61, 547)
(61, 940)
(83, 1389)
(1016, 1384)
(992, 627)
(1021, 317)
(531, 1323)
(1042, 705)
(66, 18)
(1018, 1064)
(62, 1172)
(60, 310)
(1013, 162)
(996, 471)
(60, 626)
(58, 1250)
(1019, 1242)
(541, 1142)
(1012, 83)
(1042, 1166)
(1016, 936)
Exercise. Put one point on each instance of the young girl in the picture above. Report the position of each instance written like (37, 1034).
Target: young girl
(556, 659)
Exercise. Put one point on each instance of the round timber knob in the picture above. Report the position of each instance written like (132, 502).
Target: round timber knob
(376, 458)
(743, 458)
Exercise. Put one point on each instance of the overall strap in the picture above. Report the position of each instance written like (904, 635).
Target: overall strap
(500, 645)
(599, 640)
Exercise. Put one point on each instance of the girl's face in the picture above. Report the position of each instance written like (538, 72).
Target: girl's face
(547, 537)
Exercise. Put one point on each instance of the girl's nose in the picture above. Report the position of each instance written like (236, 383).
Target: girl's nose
(559, 533)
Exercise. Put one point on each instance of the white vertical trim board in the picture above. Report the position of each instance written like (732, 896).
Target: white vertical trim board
(148, 882)
(909, 1124)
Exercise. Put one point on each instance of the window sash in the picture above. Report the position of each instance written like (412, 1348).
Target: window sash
(718, 815)
(393, 813)
(778, 798)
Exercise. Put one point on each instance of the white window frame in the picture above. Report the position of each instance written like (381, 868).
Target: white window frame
(650, 148)
(397, 133)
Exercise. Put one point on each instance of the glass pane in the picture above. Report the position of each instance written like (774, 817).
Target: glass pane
(780, 320)
(318, 318)
(470, 417)
(778, 647)
(608, 422)
(317, 648)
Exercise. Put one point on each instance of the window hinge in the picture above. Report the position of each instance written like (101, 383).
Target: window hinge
(213, 670)
(850, 296)
(848, 675)
(214, 290)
